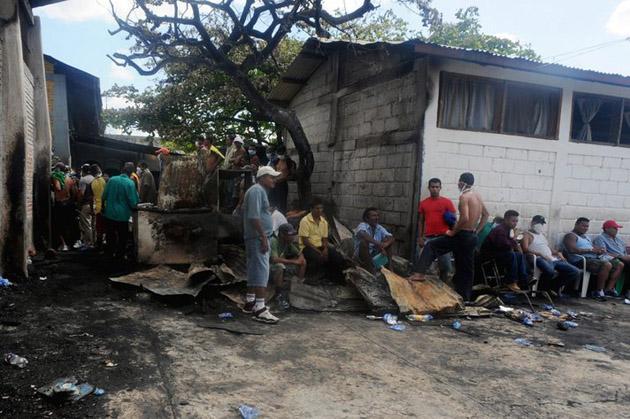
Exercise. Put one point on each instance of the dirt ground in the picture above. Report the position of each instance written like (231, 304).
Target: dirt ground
(313, 365)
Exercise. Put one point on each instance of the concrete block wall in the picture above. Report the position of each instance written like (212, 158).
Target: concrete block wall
(560, 179)
(371, 161)
(507, 177)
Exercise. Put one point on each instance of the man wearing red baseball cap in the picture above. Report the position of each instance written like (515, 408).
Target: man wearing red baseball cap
(616, 248)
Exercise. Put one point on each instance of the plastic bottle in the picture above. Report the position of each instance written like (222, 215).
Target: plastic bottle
(248, 412)
(398, 327)
(419, 317)
(456, 325)
(15, 360)
(390, 318)
(555, 312)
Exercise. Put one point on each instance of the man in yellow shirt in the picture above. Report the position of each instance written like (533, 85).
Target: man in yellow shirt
(98, 186)
(314, 245)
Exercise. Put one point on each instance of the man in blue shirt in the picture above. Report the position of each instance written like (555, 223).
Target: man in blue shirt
(616, 248)
(258, 228)
(371, 239)
(120, 197)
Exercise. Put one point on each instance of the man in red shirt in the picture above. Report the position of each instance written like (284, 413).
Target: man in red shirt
(432, 222)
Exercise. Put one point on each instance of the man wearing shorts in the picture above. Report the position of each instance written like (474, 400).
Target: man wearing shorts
(286, 260)
(258, 228)
(577, 245)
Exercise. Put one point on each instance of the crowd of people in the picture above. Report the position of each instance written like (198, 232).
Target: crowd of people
(445, 234)
(92, 208)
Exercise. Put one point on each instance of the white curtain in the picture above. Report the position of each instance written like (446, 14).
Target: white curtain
(588, 108)
(468, 104)
(530, 112)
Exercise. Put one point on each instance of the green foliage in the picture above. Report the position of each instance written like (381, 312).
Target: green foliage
(189, 103)
(466, 32)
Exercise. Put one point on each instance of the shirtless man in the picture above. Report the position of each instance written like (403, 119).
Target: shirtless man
(461, 239)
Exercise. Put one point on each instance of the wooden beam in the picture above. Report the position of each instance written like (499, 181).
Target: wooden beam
(334, 103)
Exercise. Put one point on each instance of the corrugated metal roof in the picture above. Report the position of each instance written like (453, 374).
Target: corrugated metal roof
(40, 3)
(315, 51)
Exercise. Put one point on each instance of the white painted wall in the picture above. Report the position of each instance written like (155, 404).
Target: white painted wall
(559, 179)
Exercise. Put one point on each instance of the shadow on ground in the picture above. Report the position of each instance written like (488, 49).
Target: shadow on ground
(310, 365)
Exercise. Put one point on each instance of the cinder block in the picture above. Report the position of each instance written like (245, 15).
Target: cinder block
(489, 151)
(512, 181)
(581, 172)
(575, 159)
(516, 154)
(619, 175)
(471, 150)
(447, 147)
(612, 162)
(601, 173)
(391, 124)
(593, 161)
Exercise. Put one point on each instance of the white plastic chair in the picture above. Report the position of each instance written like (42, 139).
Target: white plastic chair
(535, 277)
(586, 275)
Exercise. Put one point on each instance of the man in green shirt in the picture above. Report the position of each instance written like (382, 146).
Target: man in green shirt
(119, 199)
(286, 259)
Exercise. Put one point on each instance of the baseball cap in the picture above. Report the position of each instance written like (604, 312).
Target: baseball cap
(238, 139)
(611, 224)
(287, 229)
(538, 219)
(266, 171)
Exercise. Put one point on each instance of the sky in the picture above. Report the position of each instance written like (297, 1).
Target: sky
(76, 32)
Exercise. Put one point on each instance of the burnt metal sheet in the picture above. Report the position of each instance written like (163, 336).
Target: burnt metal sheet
(373, 289)
(181, 182)
(325, 297)
(182, 236)
(430, 296)
(163, 280)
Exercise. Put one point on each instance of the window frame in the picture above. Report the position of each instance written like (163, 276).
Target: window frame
(624, 101)
(501, 104)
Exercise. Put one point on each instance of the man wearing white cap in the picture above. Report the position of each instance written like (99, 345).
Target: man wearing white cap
(235, 157)
(258, 228)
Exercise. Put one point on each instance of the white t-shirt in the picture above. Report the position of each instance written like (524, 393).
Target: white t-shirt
(84, 181)
(278, 219)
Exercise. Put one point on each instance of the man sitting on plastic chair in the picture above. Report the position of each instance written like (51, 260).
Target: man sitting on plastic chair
(598, 262)
(372, 243)
(556, 273)
(501, 246)
(615, 247)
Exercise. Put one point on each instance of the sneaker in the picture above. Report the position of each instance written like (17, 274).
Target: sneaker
(598, 296)
(78, 244)
(264, 316)
(612, 293)
(248, 308)
(282, 302)
(627, 295)
(65, 248)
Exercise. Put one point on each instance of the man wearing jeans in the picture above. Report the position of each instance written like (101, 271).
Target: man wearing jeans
(556, 272)
(258, 228)
(461, 239)
(501, 246)
(86, 200)
(432, 213)
(119, 198)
